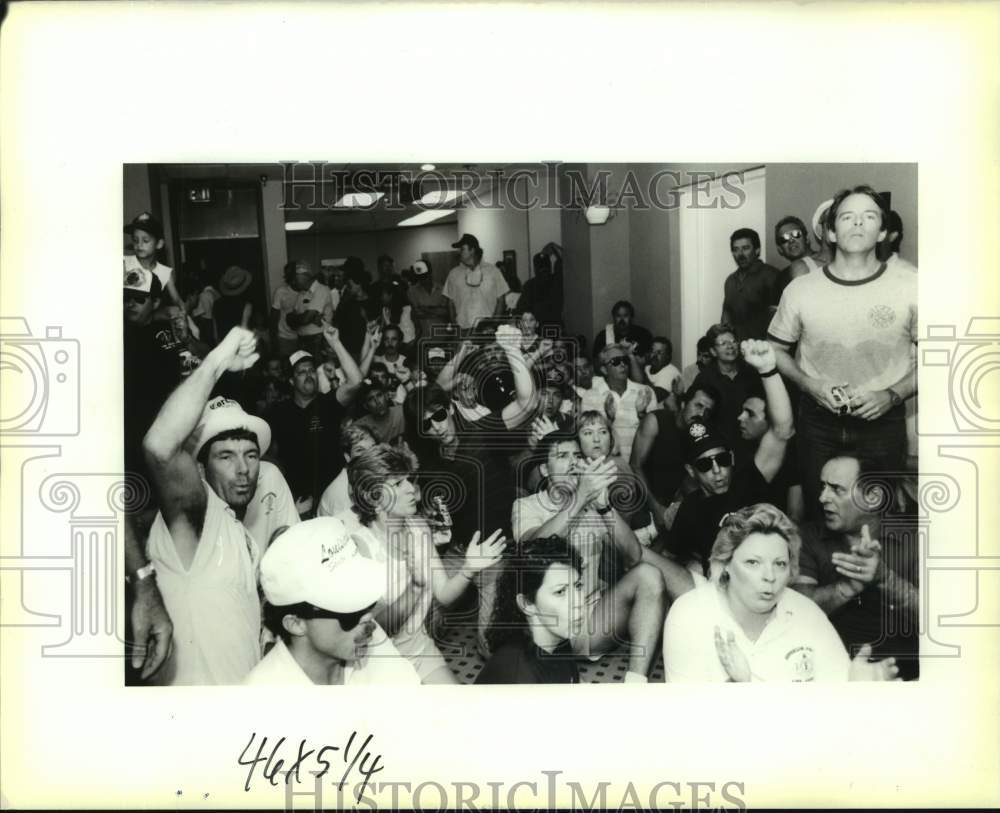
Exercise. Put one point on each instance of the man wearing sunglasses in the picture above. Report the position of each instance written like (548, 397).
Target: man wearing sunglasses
(792, 239)
(724, 483)
(321, 595)
(624, 401)
(749, 292)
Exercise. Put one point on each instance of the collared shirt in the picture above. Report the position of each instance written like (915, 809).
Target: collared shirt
(317, 297)
(474, 302)
(382, 665)
(798, 644)
(748, 297)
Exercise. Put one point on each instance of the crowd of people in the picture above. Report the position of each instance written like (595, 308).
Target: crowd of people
(336, 489)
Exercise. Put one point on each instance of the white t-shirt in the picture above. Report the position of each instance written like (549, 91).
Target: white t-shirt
(627, 418)
(162, 271)
(317, 297)
(473, 302)
(859, 332)
(664, 378)
(284, 302)
(272, 505)
(382, 665)
(798, 644)
(213, 604)
(336, 498)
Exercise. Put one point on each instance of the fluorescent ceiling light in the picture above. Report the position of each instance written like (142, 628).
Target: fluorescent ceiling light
(437, 197)
(359, 200)
(298, 225)
(427, 167)
(426, 217)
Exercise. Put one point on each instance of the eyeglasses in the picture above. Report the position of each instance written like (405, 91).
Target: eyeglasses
(729, 343)
(348, 621)
(704, 464)
(788, 236)
(438, 417)
(618, 361)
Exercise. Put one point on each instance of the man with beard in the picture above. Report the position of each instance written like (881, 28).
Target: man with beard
(204, 457)
(749, 292)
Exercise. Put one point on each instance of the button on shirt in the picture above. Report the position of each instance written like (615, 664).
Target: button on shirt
(798, 644)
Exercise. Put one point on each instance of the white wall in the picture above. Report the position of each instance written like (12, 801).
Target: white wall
(273, 234)
(499, 230)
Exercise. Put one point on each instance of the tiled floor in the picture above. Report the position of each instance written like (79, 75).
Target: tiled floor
(458, 645)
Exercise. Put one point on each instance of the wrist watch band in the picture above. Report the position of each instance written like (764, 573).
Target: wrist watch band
(894, 397)
(141, 574)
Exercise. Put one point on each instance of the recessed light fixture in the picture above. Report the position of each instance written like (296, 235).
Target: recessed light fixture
(359, 200)
(426, 217)
(437, 197)
(427, 167)
(298, 225)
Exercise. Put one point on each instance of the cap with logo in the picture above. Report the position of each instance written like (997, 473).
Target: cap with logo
(469, 240)
(299, 355)
(699, 440)
(420, 268)
(147, 223)
(317, 562)
(223, 415)
(138, 279)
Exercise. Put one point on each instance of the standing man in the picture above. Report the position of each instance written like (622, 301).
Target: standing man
(542, 295)
(860, 575)
(282, 304)
(749, 292)
(430, 307)
(792, 239)
(313, 308)
(474, 289)
(204, 458)
(856, 329)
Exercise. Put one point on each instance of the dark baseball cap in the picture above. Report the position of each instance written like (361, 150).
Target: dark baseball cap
(147, 223)
(698, 440)
(467, 240)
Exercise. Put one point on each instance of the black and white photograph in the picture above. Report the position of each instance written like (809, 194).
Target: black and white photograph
(522, 480)
(471, 349)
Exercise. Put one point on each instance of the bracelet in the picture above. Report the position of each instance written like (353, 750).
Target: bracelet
(772, 371)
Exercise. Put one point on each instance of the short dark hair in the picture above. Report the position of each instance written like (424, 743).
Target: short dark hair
(701, 386)
(229, 434)
(704, 344)
(784, 222)
(843, 194)
(719, 330)
(663, 340)
(394, 327)
(624, 303)
(895, 226)
(553, 439)
(745, 234)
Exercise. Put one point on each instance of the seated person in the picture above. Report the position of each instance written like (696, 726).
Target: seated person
(272, 386)
(387, 529)
(383, 417)
(745, 625)
(336, 499)
(575, 506)
(785, 490)
(321, 597)
(625, 402)
(710, 461)
(540, 607)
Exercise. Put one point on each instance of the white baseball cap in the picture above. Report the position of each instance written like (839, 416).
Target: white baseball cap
(223, 415)
(298, 356)
(818, 216)
(420, 268)
(317, 562)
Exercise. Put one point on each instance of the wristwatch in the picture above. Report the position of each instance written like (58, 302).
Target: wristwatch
(141, 574)
(894, 397)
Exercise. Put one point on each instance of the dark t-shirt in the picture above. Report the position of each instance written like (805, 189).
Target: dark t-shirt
(697, 522)
(665, 463)
(636, 333)
(308, 443)
(151, 371)
(523, 662)
(870, 618)
(733, 392)
(748, 297)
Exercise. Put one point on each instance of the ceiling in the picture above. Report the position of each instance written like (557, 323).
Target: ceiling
(311, 190)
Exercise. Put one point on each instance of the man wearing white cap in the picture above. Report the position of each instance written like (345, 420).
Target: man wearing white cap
(429, 305)
(320, 598)
(204, 458)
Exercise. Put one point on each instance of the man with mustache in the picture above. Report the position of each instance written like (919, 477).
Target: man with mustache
(749, 292)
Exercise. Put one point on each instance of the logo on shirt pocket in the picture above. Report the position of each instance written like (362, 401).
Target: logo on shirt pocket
(801, 661)
(881, 316)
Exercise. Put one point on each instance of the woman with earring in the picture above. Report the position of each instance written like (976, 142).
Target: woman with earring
(540, 606)
(746, 625)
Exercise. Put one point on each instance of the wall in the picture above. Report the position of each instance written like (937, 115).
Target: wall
(577, 284)
(138, 195)
(403, 245)
(610, 256)
(499, 229)
(797, 189)
(273, 234)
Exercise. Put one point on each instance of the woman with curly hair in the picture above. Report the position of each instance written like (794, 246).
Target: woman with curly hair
(540, 606)
(745, 625)
(387, 528)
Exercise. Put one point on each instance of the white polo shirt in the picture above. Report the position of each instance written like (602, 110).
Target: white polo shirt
(799, 644)
(382, 665)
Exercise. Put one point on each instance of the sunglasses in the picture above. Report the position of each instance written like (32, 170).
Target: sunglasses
(348, 621)
(618, 361)
(438, 417)
(788, 236)
(136, 296)
(704, 464)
